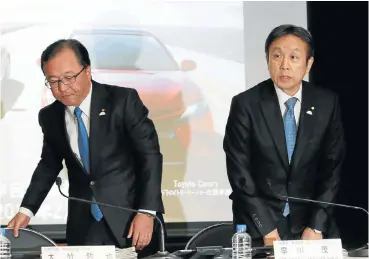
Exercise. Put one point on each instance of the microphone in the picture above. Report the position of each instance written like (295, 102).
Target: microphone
(162, 253)
(359, 252)
(321, 202)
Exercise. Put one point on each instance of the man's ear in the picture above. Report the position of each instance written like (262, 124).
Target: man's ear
(88, 72)
(309, 64)
(267, 60)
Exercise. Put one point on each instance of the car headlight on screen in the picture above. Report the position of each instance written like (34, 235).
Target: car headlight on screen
(195, 109)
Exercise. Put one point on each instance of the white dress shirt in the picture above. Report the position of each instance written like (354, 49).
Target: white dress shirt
(282, 99)
(72, 130)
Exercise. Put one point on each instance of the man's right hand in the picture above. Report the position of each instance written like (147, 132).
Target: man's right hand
(19, 221)
(272, 236)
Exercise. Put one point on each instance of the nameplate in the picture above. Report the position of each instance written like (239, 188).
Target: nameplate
(308, 249)
(78, 252)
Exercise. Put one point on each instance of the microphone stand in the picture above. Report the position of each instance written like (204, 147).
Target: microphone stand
(162, 253)
(358, 252)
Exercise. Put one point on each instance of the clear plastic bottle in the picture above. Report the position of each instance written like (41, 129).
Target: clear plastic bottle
(241, 243)
(5, 248)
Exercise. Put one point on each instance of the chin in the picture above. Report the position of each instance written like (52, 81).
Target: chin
(67, 102)
(286, 85)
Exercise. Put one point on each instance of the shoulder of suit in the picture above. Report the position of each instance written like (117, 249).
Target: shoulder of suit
(51, 108)
(319, 91)
(115, 89)
(253, 93)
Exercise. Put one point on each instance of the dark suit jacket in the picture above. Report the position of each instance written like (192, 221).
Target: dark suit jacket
(257, 161)
(125, 162)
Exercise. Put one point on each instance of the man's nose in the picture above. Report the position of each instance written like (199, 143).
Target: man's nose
(285, 64)
(62, 87)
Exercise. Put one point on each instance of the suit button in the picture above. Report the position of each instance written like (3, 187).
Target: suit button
(289, 182)
(92, 183)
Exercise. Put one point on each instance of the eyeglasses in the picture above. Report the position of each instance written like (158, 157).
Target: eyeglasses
(68, 80)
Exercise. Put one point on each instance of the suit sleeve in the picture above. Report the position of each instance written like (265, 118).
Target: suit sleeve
(329, 169)
(148, 156)
(237, 146)
(44, 175)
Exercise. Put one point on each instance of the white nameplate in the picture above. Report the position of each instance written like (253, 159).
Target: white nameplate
(78, 252)
(308, 249)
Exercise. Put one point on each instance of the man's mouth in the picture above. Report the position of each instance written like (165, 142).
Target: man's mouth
(285, 77)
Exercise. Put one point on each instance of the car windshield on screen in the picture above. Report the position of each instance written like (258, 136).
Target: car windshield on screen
(126, 52)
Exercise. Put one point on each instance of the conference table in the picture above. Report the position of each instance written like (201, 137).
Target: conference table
(181, 254)
(191, 257)
(28, 246)
(226, 254)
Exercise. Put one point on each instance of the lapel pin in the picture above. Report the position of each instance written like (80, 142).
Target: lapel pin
(309, 112)
(102, 112)
(313, 108)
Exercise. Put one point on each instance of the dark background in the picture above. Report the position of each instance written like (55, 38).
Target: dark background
(340, 32)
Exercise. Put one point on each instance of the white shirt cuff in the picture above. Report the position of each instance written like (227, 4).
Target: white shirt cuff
(149, 211)
(30, 213)
(26, 212)
(317, 231)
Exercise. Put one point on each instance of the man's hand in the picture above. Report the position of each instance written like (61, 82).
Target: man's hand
(20, 220)
(141, 228)
(272, 236)
(310, 234)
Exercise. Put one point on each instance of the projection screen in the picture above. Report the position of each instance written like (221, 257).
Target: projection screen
(186, 59)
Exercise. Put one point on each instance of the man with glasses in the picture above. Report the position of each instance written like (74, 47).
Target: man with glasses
(111, 151)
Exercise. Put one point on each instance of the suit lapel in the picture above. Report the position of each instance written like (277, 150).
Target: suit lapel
(272, 114)
(99, 113)
(61, 115)
(306, 124)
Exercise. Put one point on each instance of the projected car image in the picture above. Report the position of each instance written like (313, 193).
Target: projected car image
(4, 75)
(137, 59)
(5, 64)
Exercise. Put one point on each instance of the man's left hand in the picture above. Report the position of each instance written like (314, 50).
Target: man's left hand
(310, 234)
(141, 229)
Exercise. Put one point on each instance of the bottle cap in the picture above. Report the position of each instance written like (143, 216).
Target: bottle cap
(241, 227)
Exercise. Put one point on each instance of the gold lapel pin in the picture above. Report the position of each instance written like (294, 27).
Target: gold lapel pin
(313, 108)
(102, 112)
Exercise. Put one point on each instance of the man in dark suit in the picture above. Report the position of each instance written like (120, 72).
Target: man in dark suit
(111, 151)
(284, 136)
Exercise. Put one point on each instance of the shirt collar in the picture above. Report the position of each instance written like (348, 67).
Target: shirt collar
(283, 97)
(85, 105)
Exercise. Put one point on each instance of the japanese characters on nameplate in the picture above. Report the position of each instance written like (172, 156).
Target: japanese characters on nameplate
(78, 252)
(308, 249)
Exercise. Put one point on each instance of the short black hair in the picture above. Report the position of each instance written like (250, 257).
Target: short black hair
(77, 47)
(290, 29)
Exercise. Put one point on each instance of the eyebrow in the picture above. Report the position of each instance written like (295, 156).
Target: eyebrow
(51, 77)
(279, 48)
(68, 72)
